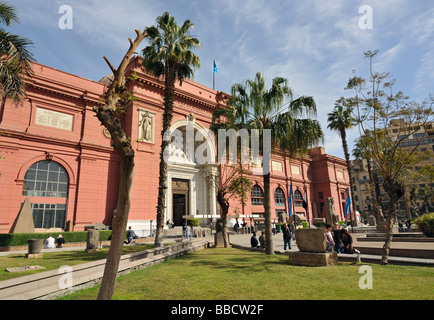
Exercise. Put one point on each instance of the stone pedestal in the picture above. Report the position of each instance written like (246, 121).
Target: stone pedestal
(35, 248)
(92, 240)
(313, 259)
(311, 240)
(219, 240)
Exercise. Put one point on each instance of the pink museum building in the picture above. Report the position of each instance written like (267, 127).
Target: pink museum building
(55, 152)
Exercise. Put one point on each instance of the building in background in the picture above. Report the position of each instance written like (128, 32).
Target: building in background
(421, 140)
(56, 153)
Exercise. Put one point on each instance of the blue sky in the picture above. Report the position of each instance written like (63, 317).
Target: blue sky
(315, 44)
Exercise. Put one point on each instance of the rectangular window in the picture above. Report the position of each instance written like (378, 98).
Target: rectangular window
(49, 215)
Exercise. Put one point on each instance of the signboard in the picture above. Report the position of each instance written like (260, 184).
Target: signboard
(53, 119)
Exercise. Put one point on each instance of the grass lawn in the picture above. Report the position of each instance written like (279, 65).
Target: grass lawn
(234, 274)
(54, 260)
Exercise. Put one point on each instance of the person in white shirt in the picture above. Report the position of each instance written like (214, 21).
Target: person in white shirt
(49, 243)
(329, 238)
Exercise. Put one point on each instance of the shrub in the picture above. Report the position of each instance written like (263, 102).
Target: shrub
(426, 224)
(193, 222)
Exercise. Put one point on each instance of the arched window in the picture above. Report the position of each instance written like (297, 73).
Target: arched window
(257, 196)
(279, 197)
(298, 199)
(47, 179)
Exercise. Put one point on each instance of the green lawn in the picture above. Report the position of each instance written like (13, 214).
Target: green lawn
(233, 274)
(54, 260)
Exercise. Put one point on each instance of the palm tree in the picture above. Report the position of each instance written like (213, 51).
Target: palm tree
(340, 120)
(169, 54)
(252, 106)
(15, 58)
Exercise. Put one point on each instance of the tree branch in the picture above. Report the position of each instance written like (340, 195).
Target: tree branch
(110, 65)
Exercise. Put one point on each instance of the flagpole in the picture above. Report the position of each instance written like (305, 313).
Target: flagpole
(213, 76)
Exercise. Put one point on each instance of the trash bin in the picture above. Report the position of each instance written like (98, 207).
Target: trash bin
(35, 245)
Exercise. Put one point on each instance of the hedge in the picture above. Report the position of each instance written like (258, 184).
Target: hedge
(20, 239)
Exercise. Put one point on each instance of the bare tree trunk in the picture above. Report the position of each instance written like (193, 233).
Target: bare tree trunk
(107, 114)
(395, 190)
(378, 214)
(119, 225)
(224, 205)
(225, 210)
(269, 248)
(389, 233)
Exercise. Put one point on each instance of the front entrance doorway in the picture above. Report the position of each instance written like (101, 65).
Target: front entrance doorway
(180, 200)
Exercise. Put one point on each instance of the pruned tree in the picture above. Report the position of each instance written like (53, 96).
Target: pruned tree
(232, 183)
(116, 99)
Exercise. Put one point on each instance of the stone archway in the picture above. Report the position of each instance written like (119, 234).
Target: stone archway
(190, 189)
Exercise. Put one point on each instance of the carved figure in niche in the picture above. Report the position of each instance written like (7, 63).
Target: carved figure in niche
(191, 119)
(145, 124)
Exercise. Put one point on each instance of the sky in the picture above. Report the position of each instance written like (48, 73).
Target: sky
(315, 44)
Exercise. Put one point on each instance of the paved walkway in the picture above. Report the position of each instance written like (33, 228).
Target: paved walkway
(243, 240)
(55, 283)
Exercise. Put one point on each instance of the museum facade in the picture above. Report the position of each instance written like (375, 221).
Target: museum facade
(55, 153)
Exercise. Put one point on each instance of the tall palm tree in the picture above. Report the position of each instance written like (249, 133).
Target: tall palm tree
(169, 54)
(252, 106)
(341, 119)
(15, 58)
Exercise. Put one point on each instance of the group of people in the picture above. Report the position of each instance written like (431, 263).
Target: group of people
(339, 240)
(407, 224)
(50, 242)
(237, 226)
(288, 234)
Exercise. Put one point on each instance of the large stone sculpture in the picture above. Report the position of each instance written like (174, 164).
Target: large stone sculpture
(312, 245)
(331, 217)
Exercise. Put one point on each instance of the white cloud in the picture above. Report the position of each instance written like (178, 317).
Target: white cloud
(314, 43)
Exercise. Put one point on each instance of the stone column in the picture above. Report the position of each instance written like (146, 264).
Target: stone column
(92, 240)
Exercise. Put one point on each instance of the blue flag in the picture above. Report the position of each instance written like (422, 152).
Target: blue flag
(347, 202)
(290, 200)
(215, 68)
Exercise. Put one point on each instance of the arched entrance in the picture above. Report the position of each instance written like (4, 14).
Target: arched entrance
(192, 173)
